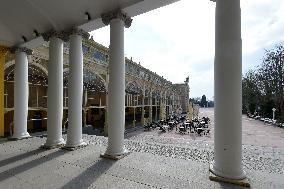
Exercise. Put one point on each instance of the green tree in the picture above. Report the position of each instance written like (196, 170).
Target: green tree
(272, 79)
(251, 93)
(263, 88)
(203, 101)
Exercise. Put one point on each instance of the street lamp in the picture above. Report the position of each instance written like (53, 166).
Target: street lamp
(273, 111)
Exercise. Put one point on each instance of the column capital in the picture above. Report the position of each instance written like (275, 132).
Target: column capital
(58, 34)
(13, 50)
(3, 50)
(78, 31)
(107, 17)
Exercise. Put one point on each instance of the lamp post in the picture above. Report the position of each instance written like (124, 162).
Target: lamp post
(273, 111)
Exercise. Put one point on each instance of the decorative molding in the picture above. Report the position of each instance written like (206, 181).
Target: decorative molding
(65, 35)
(13, 50)
(52, 33)
(107, 17)
(78, 31)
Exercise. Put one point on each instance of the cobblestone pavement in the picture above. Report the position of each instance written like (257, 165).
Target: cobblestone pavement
(154, 162)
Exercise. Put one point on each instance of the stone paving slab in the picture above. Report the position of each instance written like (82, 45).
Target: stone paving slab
(152, 164)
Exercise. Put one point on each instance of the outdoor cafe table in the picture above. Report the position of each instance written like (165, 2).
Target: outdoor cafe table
(165, 127)
(187, 125)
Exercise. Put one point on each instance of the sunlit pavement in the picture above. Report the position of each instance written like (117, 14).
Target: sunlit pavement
(167, 160)
(255, 132)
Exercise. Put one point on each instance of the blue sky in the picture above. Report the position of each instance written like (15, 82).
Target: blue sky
(177, 41)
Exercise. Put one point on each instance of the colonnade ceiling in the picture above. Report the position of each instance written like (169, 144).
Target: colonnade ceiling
(23, 24)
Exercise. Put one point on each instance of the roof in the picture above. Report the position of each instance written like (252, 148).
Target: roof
(20, 18)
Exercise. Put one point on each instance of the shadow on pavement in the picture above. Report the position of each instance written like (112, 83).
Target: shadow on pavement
(20, 156)
(29, 165)
(90, 175)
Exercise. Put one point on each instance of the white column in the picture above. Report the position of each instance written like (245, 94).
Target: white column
(65, 97)
(116, 87)
(86, 98)
(55, 94)
(156, 110)
(106, 110)
(134, 116)
(150, 108)
(37, 96)
(21, 95)
(228, 91)
(136, 100)
(143, 110)
(75, 93)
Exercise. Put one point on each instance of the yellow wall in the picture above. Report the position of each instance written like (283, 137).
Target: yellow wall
(3, 51)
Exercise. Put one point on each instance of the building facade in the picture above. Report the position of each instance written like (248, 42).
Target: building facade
(149, 97)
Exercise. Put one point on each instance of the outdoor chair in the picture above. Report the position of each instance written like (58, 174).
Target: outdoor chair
(182, 130)
(163, 129)
(147, 127)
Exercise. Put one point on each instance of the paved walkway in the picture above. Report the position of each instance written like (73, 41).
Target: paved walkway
(154, 162)
(255, 132)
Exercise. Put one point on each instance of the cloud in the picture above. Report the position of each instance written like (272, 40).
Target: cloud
(177, 41)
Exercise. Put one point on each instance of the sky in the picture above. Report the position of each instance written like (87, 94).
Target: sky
(177, 41)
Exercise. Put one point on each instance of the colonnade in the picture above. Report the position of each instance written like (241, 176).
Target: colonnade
(227, 70)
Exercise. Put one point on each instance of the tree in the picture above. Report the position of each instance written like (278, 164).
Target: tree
(251, 92)
(263, 88)
(203, 101)
(272, 78)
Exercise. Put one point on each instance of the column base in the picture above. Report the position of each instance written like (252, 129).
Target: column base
(74, 147)
(115, 156)
(50, 145)
(20, 137)
(243, 181)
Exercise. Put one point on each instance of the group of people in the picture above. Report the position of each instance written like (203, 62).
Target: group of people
(196, 125)
(183, 126)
